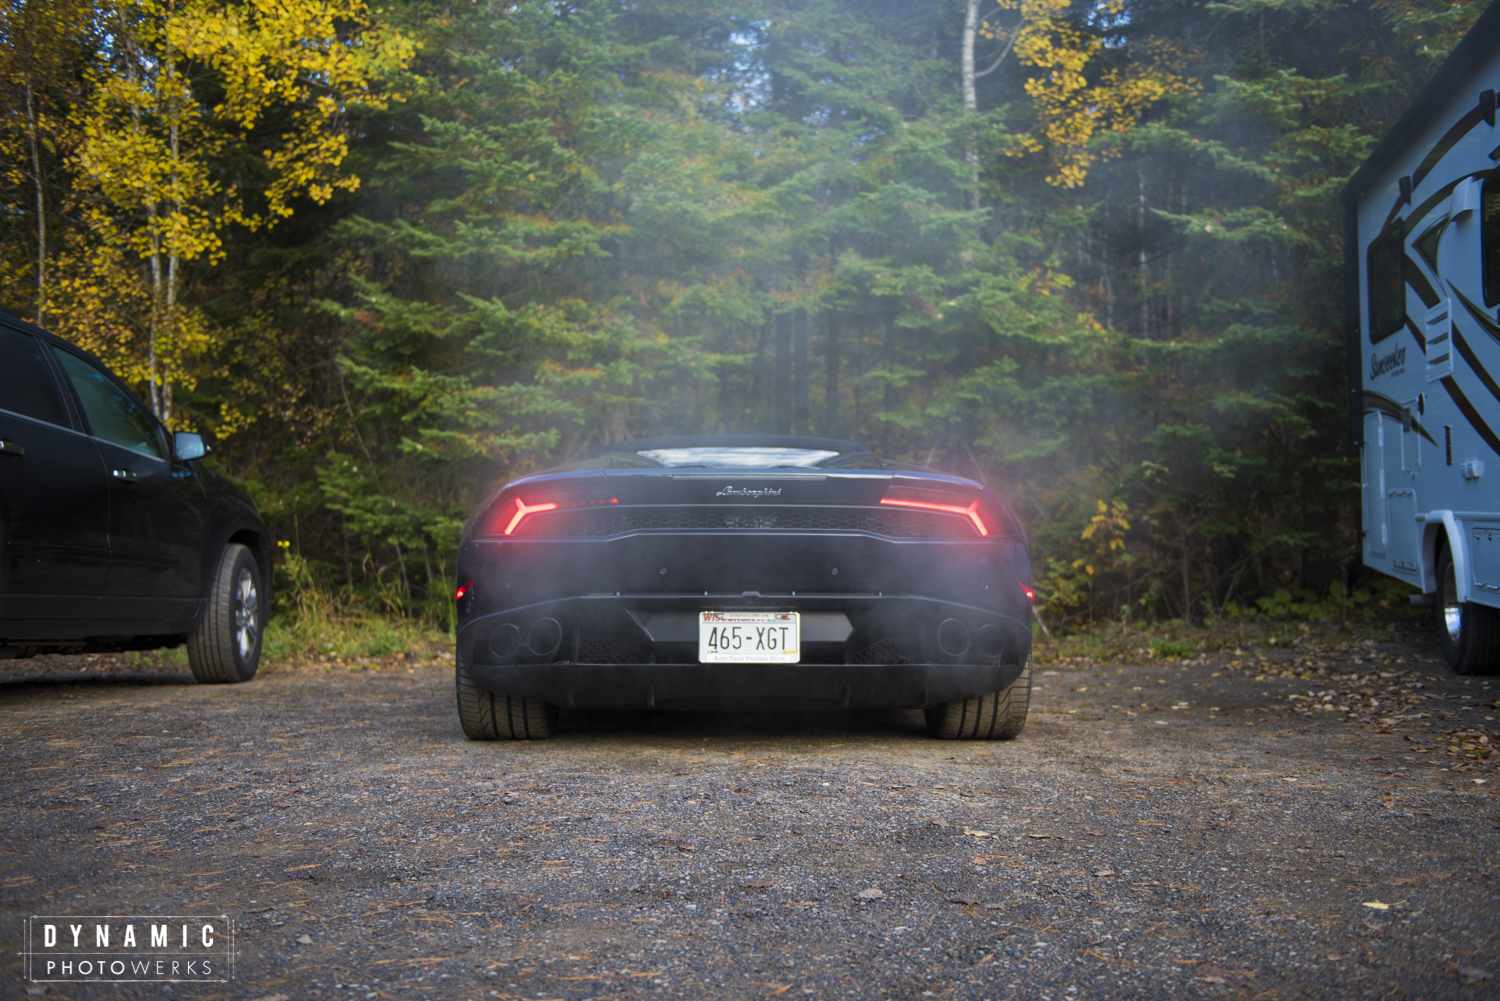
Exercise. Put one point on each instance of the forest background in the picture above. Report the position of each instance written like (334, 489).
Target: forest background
(386, 259)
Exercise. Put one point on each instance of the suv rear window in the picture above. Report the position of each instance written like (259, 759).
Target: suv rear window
(26, 383)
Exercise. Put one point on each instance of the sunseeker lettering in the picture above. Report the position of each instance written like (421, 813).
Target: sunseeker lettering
(1381, 364)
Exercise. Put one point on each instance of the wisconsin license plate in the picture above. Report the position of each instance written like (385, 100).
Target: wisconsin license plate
(749, 638)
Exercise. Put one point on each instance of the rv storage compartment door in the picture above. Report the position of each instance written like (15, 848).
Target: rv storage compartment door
(1484, 557)
(1402, 511)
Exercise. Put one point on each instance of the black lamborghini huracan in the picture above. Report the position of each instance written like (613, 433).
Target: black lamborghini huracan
(738, 571)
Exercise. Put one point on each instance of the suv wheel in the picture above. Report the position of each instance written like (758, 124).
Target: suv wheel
(1469, 633)
(225, 648)
(992, 716)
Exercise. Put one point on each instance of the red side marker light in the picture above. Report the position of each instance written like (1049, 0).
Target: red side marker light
(463, 590)
(972, 511)
(1026, 589)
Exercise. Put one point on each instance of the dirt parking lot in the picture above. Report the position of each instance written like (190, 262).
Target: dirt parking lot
(1258, 822)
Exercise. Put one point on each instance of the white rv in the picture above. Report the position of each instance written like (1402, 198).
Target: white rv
(1422, 266)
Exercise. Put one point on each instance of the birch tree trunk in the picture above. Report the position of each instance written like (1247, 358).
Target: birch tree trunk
(41, 205)
(971, 33)
(971, 99)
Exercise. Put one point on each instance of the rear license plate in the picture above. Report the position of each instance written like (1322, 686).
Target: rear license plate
(749, 638)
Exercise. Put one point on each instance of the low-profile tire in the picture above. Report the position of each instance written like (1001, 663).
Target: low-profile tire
(486, 715)
(225, 648)
(993, 716)
(1468, 633)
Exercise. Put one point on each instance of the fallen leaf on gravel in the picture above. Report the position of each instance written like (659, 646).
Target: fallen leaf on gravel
(1475, 973)
(966, 901)
(304, 940)
(938, 823)
(870, 893)
(757, 884)
(980, 834)
(1377, 905)
(1104, 873)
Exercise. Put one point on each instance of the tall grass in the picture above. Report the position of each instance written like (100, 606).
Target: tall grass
(316, 620)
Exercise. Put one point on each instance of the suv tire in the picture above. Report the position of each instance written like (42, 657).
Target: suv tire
(225, 648)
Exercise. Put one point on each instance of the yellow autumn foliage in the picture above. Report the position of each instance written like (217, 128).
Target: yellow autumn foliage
(1070, 110)
(146, 188)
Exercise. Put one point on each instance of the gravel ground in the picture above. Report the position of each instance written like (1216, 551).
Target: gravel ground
(1259, 822)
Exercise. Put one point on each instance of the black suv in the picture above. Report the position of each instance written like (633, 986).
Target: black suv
(111, 536)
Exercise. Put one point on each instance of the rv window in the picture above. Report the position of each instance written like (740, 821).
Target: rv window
(1489, 205)
(1386, 281)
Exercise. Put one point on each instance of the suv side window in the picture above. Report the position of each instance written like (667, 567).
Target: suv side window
(113, 414)
(26, 384)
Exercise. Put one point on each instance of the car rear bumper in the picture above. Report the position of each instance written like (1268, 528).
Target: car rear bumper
(641, 651)
(745, 686)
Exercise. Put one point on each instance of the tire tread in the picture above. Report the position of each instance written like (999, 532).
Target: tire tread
(486, 715)
(992, 716)
(211, 647)
(1478, 648)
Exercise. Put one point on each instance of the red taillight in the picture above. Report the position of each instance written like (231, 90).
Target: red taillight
(517, 513)
(972, 511)
(522, 510)
(463, 590)
(1026, 590)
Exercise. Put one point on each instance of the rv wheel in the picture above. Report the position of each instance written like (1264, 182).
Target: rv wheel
(1469, 633)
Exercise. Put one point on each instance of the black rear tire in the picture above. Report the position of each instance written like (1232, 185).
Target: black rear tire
(486, 715)
(992, 716)
(1469, 633)
(225, 648)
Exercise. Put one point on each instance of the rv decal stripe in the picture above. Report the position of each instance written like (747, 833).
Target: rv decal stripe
(1439, 197)
(1419, 284)
(1488, 325)
(1450, 139)
(1421, 341)
(1469, 412)
(1468, 355)
(1396, 412)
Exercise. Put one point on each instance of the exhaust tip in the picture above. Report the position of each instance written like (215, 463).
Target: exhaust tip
(991, 640)
(953, 637)
(544, 637)
(505, 640)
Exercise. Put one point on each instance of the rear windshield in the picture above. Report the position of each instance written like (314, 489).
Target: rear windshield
(763, 458)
